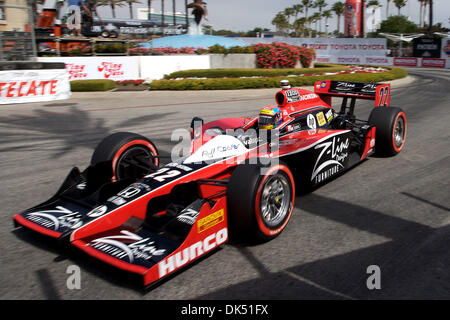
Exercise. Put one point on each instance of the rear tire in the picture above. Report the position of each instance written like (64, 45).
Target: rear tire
(390, 123)
(122, 147)
(260, 206)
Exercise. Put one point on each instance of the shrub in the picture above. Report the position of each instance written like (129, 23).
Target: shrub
(282, 55)
(236, 73)
(92, 85)
(270, 82)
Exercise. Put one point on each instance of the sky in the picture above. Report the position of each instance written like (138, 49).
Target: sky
(245, 15)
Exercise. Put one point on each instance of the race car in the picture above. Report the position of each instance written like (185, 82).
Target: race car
(239, 177)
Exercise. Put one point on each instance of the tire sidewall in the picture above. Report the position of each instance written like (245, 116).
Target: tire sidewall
(265, 230)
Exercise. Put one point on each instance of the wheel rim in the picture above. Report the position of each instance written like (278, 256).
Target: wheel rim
(275, 200)
(135, 162)
(399, 132)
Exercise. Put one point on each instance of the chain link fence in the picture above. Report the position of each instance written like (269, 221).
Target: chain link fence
(17, 37)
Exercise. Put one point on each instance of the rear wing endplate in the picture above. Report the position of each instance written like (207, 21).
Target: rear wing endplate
(380, 92)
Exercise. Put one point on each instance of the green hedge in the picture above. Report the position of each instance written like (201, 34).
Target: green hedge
(92, 85)
(237, 73)
(271, 82)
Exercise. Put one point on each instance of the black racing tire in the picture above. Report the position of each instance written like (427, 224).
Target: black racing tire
(123, 145)
(249, 196)
(390, 123)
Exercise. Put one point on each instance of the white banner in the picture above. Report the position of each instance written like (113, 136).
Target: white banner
(22, 86)
(113, 68)
(155, 67)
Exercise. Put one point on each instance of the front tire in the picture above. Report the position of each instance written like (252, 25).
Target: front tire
(390, 123)
(260, 205)
(131, 155)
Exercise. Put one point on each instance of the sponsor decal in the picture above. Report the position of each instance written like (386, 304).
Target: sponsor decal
(129, 192)
(118, 201)
(329, 115)
(345, 86)
(76, 71)
(127, 246)
(97, 212)
(192, 252)
(55, 218)
(110, 69)
(311, 121)
(321, 119)
(292, 96)
(210, 220)
(308, 96)
(188, 216)
(369, 87)
(323, 84)
(329, 162)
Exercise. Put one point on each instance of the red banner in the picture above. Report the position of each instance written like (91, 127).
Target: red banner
(433, 63)
(405, 62)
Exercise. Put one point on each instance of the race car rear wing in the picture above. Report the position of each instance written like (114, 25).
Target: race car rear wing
(380, 92)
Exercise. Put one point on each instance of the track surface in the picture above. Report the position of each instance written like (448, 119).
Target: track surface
(389, 212)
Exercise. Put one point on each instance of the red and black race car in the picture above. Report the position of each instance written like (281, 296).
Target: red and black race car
(240, 176)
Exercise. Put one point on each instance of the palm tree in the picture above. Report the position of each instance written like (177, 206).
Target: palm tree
(306, 5)
(298, 8)
(338, 9)
(289, 12)
(327, 15)
(400, 4)
(299, 26)
(316, 18)
(423, 3)
(112, 4)
(149, 9)
(280, 22)
(320, 4)
(130, 6)
(387, 8)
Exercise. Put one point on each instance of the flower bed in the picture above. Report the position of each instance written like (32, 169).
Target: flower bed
(282, 55)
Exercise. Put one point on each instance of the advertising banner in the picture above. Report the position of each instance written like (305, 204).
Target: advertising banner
(406, 62)
(352, 18)
(333, 46)
(427, 47)
(23, 86)
(433, 63)
(113, 68)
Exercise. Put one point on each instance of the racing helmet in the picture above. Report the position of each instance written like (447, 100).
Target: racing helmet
(269, 118)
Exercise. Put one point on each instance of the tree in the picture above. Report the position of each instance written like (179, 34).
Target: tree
(298, 8)
(299, 26)
(280, 22)
(387, 8)
(130, 6)
(112, 4)
(306, 5)
(320, 4)
(338, 9)
(398, 24)
(400, 4)
(327, 15)
(149, 9)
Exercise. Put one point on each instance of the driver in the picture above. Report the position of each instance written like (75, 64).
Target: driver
(270, 117)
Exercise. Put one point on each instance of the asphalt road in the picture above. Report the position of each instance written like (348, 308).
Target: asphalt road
(390, 212)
